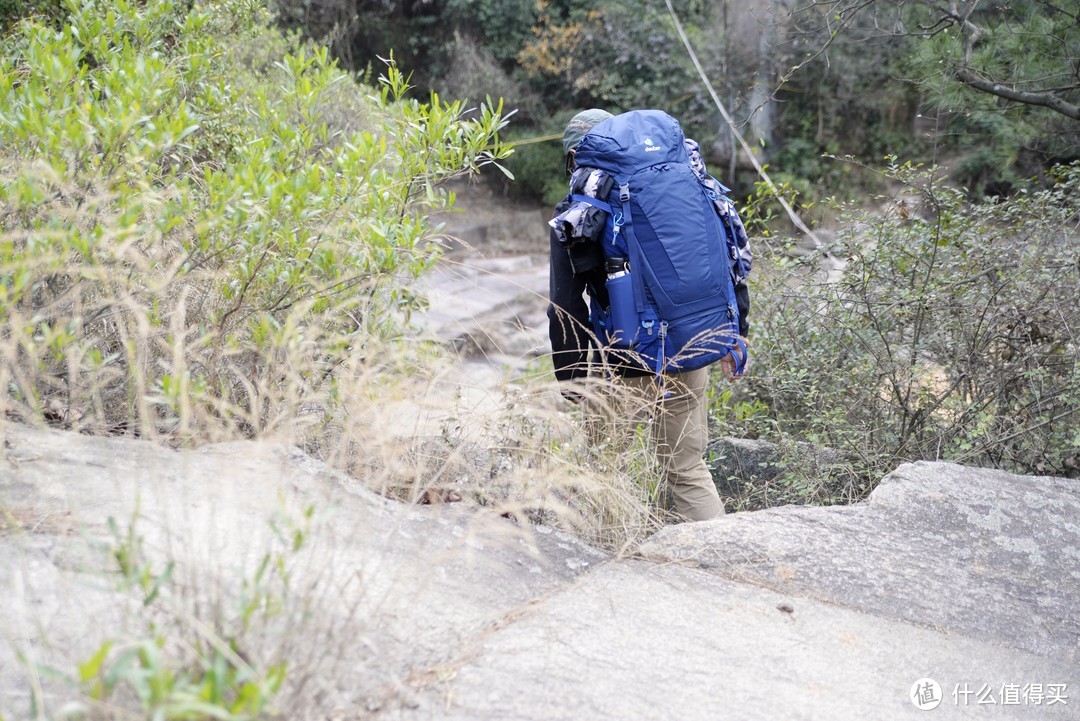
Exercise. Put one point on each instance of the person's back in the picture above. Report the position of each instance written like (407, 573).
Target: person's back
(638, 234)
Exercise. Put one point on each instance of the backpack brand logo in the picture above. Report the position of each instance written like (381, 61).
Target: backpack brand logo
(650, 146)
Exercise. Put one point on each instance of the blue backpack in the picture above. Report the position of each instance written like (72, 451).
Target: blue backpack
(667, 252)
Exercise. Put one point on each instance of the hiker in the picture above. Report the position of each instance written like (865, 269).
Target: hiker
(656, 389)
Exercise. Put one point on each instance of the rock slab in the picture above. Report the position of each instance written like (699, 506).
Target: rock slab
(378, 589)
(967, 577)
(984, 554)
(963, 576)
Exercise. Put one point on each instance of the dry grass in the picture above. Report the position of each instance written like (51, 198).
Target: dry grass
(249, 283)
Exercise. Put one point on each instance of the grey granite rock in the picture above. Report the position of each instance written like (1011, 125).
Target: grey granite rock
(641, 641)
(968, 577)
(981, 553)
(382, 586)
(743, 467)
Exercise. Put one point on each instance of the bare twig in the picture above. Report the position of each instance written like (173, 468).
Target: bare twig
(735, 131)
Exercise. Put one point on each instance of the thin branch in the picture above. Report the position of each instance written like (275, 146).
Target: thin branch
(1047, 100)
(966, 75)
(735, 131)
(1015, 434)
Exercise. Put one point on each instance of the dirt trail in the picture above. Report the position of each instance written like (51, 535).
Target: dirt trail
(488, 297)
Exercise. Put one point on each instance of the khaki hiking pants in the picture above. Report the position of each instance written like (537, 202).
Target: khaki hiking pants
(678, 417)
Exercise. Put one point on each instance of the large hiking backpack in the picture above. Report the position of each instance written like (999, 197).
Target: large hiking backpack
(670, 297)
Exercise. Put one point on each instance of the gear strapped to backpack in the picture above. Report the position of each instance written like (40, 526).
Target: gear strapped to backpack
(669, 244)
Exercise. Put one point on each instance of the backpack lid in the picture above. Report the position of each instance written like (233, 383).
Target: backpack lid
(624, 144)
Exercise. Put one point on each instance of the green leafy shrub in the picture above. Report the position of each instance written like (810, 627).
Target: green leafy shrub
(196, 234)
(948, 331)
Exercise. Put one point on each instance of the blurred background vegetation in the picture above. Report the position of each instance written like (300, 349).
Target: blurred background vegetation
(989, 89)
(802, 82)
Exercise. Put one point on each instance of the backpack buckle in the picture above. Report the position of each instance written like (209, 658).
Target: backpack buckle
(624, 192)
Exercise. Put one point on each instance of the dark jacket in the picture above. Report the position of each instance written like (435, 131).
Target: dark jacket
(568, 318)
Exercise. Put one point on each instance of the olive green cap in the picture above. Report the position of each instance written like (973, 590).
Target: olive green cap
(580, 124)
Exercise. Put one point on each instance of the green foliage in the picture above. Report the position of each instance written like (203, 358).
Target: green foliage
(762, 213)
(539, 166)
(12, 11)
(1025, 46)
(221, 687)
(844, 78)
(196, 234)
(478, 74)
(948, 332)
(608, 54)
(839, 95)
(503, 25)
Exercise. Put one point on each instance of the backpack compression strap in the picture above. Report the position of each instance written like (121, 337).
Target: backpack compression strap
(577, 197)
(638, 280)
